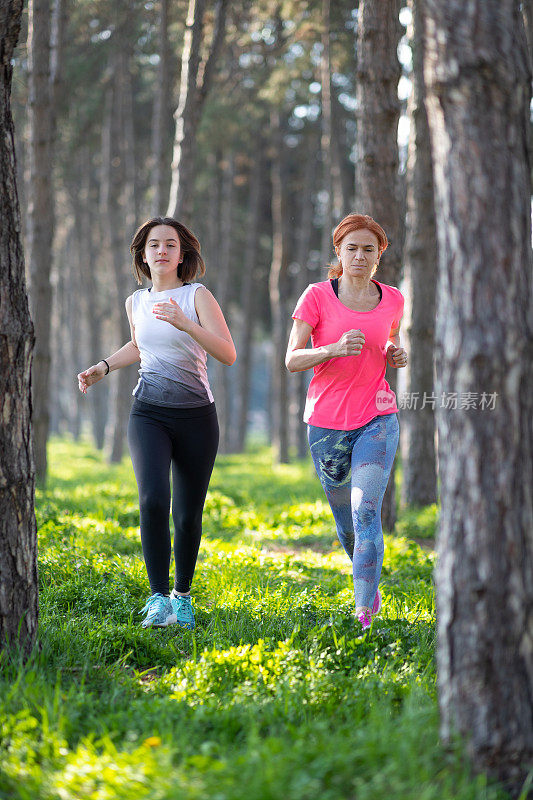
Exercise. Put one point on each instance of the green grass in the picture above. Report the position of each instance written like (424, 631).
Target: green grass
(274, 695)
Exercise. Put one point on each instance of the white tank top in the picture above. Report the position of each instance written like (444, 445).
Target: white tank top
(173, 369)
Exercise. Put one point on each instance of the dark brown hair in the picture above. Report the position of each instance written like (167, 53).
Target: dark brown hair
(192, 265)
(356, 222)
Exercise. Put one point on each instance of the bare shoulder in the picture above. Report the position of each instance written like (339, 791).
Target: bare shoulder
(209, 312)
(129, 308)
(204, 299)
(203, 291)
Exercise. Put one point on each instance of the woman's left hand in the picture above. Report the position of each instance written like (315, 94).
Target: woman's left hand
(396, 357)
(170, 311)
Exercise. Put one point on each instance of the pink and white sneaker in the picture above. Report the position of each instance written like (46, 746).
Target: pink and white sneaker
(365, 618)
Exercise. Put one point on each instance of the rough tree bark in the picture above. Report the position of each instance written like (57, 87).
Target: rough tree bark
(18, 535)
(478, 93)
(376, 173)
(196, 80)
(419, 484)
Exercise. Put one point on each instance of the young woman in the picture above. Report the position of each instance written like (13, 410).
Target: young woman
(354, 324)
(173, 421)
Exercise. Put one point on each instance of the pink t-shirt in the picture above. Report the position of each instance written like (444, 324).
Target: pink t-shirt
(347, 392)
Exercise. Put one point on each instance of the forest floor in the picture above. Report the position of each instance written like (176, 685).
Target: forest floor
(274, 695)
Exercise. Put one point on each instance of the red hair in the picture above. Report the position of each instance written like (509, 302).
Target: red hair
(356, 222)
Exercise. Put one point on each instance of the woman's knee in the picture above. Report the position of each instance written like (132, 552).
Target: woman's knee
(364, 517)
(153, 505)
(187, 522)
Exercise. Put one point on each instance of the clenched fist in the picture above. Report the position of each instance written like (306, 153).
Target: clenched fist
(350, 344)
(396, 357)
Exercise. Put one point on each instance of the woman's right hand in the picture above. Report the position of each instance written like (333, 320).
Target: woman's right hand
(91, 375)
(350, 344)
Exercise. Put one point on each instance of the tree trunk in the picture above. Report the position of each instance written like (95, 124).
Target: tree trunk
(325, 141)
(419, 486)
(161, 112)
(245, 337)
(222, 282)
(527, 10)
(211, 236)
(195, 83)
(131, 187)
(40, 218)
(376, 173)
(95, 305)
(64, 349)
(278, 292)
(478, 111)
(71, 298)
(303, 244)
(343, 182)
(18, 535)
(119, 202)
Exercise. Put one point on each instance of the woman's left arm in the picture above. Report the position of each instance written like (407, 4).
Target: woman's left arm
(212, 333)
(396, 355)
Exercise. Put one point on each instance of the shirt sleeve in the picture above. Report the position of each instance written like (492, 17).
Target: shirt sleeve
(398, 314)
(307, 308)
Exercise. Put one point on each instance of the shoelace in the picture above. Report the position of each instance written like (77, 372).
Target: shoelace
(154, 604)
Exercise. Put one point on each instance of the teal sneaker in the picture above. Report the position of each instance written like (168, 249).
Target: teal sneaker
(182, 608)
(159, 612)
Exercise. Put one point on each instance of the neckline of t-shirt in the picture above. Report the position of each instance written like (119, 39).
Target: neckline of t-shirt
(352, 309)
(165, 291)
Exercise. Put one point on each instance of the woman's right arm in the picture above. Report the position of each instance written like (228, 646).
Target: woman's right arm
(300, 358)
(128, 354)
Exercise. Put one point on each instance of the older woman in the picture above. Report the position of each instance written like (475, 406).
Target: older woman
(354, 323)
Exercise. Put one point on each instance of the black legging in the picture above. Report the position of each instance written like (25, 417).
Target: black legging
(187, 439)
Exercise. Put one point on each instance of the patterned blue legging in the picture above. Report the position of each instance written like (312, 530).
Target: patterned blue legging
(354, 468)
